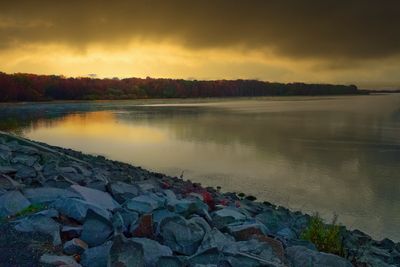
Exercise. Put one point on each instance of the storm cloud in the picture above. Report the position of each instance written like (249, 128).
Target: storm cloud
(349, 30)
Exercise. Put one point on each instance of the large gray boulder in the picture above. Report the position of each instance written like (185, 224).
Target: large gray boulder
(181, 235)
(145, 203)
(96, 229)
(215, 239)
(12, 202)
(96, 256)
(125, 253)
(122, 191)
(228, 215)
(77, 208)
(301, 256)
(40, 223)
(102, 199)
(152, 250)
(48, 194)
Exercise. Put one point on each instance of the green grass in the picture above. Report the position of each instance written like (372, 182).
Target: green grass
(33, 208)
(326, 237)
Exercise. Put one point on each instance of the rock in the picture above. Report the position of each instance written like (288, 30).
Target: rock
(98, 185)
(287, 234)
(5, 153)
(70, 232)
(276, 246)
(252, 250)
(186, 207)
(12, 202)
(7, 183)
(181, 235)
(145, 203)
(122, 191)
(47, 194)
(97, 197)
(25, 160)
(8, 170)
(22, 248)
(96, 229)
(96, 256)
(54, 260)
(169, 261)
(246, 230)
(77, 208)
(273, 219)
(301, 256)
(152, 250)
(130, 219)
(145, 227)
(59, 181)
(221, 218)
(215, 239)
(74, 246)
(25, 172)
(125, 253)
(209, 257)
(39, 223)
(28, 150)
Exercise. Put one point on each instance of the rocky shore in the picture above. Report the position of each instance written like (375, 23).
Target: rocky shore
(59, 207)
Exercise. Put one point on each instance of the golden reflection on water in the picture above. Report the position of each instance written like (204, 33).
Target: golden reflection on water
(99, 125)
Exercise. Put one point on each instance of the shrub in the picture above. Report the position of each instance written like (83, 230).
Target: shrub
(327, 238)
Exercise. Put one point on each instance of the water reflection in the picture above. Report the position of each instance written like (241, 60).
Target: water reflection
(330, 154)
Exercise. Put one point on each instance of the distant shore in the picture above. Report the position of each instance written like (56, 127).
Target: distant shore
(36, 176)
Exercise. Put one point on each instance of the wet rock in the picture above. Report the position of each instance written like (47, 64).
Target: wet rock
(77, 208)
(54, 260)
(301, 256)
(12, 202)
(122, 191)
(181, 235)
(125, 253)
(74, 246)
(97, 197)
(47, 194)
(96, 256)
(39, 223)
(152, 250)
(222, 218)
(145, 203)
(96, 229)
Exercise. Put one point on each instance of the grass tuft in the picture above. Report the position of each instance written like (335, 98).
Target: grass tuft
(326, 237)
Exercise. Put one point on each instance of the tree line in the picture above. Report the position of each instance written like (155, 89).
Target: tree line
(32, 87)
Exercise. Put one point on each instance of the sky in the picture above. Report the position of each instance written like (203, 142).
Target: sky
(330, 41)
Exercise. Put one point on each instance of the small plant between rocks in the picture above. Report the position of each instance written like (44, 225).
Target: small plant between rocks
(326, 237)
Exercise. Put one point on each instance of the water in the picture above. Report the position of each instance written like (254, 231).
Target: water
(331, 155)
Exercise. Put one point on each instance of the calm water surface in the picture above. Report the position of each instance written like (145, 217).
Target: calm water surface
(331, 155)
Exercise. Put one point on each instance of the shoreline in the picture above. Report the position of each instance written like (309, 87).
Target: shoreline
(30, 169)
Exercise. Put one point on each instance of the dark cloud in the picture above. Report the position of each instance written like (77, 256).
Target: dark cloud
(302, 29)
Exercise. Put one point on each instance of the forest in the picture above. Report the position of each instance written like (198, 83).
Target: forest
(32, 87)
